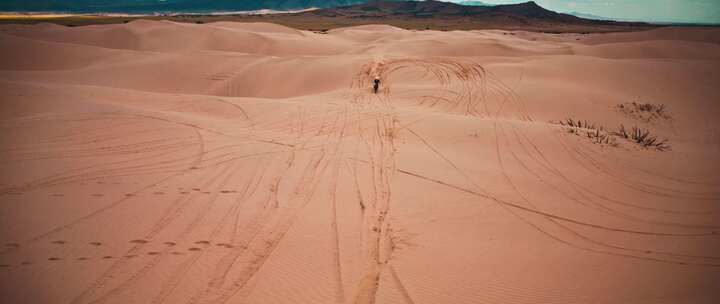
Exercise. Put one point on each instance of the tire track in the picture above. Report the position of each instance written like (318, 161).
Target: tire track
(88, 296)
(595, 242)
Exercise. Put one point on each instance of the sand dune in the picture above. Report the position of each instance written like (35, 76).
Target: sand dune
(157, 162)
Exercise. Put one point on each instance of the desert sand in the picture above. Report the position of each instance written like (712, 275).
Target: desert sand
(160, 162)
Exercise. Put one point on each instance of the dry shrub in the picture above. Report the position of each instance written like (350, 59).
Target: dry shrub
(647, 112)
(643, 138)
(598, 135)
(583, 124)
(601, 137)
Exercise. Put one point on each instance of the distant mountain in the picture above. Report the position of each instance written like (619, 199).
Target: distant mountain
(588, 16)
(439, 9)
(522, 15)
(150, 6)
(415, 15)
(473, 3)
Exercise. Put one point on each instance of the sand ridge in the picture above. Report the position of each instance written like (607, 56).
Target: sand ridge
(159, 162)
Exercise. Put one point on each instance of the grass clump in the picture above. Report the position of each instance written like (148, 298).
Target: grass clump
(598, 135)
(594, 132)
(643, 138)
(647, 112)
(582, 124)
(601, 137)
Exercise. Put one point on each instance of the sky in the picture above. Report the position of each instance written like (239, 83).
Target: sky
(696, 11)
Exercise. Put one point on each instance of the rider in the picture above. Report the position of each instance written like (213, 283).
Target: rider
(376, 86)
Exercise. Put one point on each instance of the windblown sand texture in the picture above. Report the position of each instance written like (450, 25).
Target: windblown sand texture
(158, 162)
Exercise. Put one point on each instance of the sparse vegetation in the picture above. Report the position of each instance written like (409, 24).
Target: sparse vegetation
(643, 138)
(595, 133)
(601, 137)
(598, 135)
(646, 112)
(582, 124)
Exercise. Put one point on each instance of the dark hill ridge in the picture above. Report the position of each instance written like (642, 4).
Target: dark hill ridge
(519, 14)
(417, 15)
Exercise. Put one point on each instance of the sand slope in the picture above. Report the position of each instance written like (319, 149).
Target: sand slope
(155, 162)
